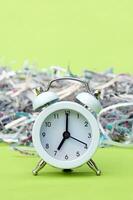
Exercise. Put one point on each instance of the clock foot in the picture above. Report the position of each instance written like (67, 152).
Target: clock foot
(39, 166)
(67, 170)
(93, 166)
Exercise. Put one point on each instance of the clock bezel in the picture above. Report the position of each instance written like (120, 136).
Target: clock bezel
(60, 163)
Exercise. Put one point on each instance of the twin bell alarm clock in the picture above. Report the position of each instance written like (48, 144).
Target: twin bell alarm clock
(66, 133)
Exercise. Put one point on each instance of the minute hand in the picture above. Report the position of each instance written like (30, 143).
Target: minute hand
(66, 122)
(78, 140)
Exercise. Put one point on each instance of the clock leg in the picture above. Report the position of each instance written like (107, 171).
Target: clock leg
(39, 166)
(93, 166)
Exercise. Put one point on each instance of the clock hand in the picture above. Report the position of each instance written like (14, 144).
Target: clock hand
(66, 135)
(60, 145)
(66, 122)
(78, 140)
(64, 138)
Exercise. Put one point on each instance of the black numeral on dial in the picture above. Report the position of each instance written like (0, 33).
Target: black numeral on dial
(86, 124)
(77, 154)
(66, 157)
(55, 152)
(43, 134)
(86, 147)
(78, 115)
(56, 116)
(67, 112)
(47, 146)
(48, 124)
(89, 135)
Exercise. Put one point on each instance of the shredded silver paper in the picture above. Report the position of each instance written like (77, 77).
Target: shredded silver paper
(16, 96)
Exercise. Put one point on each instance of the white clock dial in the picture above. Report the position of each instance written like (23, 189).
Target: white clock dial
(65, 135)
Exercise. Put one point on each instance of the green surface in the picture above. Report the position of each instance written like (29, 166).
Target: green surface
(96, 34)
(116, 182)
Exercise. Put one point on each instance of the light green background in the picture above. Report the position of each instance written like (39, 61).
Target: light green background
(97, 34)
(116, 182)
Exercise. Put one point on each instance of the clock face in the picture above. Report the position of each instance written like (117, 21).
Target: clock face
(65, 135)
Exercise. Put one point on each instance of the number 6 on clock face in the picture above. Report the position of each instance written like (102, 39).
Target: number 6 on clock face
(66, 134)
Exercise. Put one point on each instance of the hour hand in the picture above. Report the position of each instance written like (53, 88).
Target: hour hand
(60, 145)
(66, 135)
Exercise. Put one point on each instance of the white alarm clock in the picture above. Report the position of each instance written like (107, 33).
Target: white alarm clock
(65, 133)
